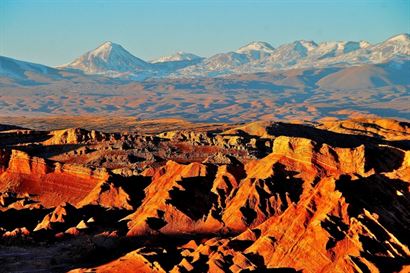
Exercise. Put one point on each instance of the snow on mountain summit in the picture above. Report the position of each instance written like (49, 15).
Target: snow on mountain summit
(178, 56)
(398, 45)
(261, 57)
(109, 58)
(256, 46)
(289, 54)
(308, 45)
(113, 60)
(105, 51)
(364, 44)
(404, 37)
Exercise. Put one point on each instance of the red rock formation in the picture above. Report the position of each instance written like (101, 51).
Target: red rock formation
(328, 197)
(74, 136)
(62, 215)
(130, 263)
(53, 183)
(164, 207)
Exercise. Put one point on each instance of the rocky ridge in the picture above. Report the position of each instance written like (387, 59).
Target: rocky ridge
(259, 197)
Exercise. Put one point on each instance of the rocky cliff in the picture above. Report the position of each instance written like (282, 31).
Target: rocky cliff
(260, 197)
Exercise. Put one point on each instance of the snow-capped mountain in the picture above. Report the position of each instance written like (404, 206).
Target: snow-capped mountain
(112, 60)
(396, 45)
(227, 63)
(290, 54)
(177, 57)
(219, 64)
(310, 54)
(354, 53)
(257, 47)
(256, 51)
(257, 57)
(168, 64)
(254, 57)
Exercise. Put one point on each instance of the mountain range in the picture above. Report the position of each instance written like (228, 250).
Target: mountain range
(303, 79)
(114, 61)
(239, 162)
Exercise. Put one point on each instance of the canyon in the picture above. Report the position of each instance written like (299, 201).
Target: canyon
(179, 196)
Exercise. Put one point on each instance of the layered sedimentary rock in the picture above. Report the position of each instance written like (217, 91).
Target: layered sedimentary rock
(52, 182)
(262, 197)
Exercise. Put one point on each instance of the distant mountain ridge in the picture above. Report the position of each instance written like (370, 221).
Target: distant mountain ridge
(109, 59)
(112, 60)
(302, 54)
(178, 56)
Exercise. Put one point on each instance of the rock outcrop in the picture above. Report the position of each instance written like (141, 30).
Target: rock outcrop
(52, 182)
(262, 197)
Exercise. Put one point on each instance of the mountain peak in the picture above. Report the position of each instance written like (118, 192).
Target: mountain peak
(364, 44)
(106, 44)
(113, 60)
(256, 46)
(178, 56)
(106, 48)
(109, 44)
(309, 45)
(109, 58)
(404, 37)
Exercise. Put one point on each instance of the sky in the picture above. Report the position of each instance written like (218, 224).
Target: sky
(54, 32)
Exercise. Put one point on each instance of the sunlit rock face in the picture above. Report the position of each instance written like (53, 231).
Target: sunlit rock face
(258, 197)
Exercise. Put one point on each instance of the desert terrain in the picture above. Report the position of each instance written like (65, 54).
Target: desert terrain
(134, 195)
(258, 158)
(299, 94)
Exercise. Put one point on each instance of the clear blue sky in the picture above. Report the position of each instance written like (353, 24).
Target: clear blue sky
(54, 32)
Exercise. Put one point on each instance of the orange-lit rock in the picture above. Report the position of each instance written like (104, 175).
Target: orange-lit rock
(130, 263)
(51, 182)
(178, 199)
(266, 196)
